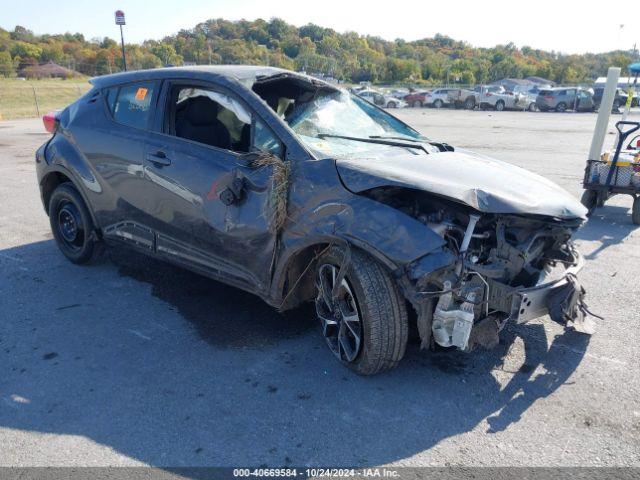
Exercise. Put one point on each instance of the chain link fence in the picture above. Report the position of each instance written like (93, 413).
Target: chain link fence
(24, 99)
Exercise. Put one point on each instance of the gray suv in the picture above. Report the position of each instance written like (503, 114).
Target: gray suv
(562, 99)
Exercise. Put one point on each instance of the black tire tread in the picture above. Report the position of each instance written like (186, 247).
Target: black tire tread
(590, 201)
(384, 314)
(90, 250)
(635, 211)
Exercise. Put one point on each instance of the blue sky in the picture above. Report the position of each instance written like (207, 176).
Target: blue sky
(567, 26)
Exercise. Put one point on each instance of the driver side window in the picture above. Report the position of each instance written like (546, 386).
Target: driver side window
(216, 119)
(209, 117)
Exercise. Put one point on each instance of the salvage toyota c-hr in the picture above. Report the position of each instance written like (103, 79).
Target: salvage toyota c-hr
(294, 190)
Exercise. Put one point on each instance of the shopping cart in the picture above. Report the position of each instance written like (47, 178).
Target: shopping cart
(618, 175)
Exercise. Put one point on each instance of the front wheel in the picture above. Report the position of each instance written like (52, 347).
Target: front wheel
(499, 105)
(363, 316)
(438, 104)
(470, 103)
(532, 107)
(71, 224)
(392, 105)
(417, 104)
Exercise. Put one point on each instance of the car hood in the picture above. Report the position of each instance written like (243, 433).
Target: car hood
(486, 184)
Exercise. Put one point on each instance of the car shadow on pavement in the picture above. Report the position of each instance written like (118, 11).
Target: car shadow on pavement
(609, 226)
(172, 370)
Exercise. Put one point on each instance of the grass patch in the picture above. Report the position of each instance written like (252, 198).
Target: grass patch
(17, 98)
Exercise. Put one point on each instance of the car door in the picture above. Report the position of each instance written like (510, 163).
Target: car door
(585, 101)
(207, 200)
(116, 152)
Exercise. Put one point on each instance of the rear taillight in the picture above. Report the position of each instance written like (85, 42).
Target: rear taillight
(548, 97)
(50, 121)
(489, 94)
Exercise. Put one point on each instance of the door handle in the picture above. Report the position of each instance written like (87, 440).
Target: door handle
(159, 159)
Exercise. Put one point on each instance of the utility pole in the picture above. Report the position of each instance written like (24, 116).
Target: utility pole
(120, 21)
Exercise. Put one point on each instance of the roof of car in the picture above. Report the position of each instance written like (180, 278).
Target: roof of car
(237, 72)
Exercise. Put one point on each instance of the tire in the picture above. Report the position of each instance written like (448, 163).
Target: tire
(499, 106)
(370, 297)
(392, 105)
(470, 103)
(561, 107)
(532, 107)
(416, 104)
(590, 201)
(438, 104)
(71, 224)
(635, 211)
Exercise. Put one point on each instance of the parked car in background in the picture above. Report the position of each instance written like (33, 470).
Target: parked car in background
(398, 93)
(619, 101)
(438, 98)
(463, 98)
(488, 96)
(566, 98)
(530, 97)
(498, 98)
(381, 100)
(417, 99)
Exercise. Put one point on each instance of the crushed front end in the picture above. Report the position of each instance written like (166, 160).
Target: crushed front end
(493, 269)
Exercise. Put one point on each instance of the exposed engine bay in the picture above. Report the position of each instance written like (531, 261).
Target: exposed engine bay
(507, 267)
(504, 267)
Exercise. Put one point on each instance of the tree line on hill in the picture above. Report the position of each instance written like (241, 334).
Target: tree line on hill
(345, 56)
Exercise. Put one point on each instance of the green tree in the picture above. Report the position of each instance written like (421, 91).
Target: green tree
(6, 65)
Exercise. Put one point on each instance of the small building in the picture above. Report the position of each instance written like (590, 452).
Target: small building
(48, 70)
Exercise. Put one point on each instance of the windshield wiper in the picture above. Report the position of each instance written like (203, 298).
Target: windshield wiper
(379, 141)
(443, 147)
(391, 137)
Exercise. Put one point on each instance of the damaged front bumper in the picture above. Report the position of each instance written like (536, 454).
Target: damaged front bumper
(478, 317)
(524, 304)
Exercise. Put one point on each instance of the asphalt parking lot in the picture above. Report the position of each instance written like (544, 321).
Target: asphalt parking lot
(131, 362)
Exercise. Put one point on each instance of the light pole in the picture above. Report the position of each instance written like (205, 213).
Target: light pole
(120, 21)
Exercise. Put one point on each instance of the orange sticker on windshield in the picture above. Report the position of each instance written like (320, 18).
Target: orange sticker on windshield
(141, 94)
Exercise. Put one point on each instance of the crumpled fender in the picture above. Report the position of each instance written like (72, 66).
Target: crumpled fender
(387, 234)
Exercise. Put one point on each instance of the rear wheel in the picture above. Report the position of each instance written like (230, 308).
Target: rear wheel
(561, 107)
(635, 211)
(532, 107)
(392, 105)
(416, 104)
(499, 105)
(470, 103)
(438, 103)
(590, 201)
(71, 224)
(363, 316)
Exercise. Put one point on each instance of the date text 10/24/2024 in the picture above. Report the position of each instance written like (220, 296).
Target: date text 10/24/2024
(374, 472)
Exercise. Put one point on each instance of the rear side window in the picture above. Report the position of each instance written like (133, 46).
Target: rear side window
(131, 104)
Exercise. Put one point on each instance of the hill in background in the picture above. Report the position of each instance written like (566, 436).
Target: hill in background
(311, 48)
